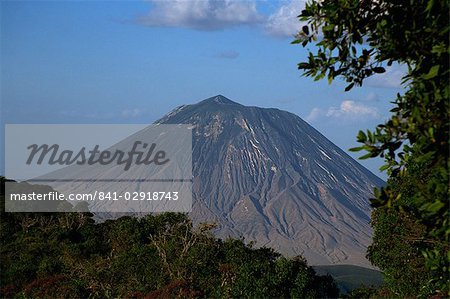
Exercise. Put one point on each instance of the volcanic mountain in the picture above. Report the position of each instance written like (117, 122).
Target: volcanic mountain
(262, 174)
(268, 176)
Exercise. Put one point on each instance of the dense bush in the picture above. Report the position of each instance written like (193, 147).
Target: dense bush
(354, 40)
(68, 255)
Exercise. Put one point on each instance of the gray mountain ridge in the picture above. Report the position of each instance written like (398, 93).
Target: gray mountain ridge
(268, 176)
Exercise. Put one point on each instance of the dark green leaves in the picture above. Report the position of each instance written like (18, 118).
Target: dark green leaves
(349, 87)
(154, 256)
(379, 70)
(357, 39)
(305, 30)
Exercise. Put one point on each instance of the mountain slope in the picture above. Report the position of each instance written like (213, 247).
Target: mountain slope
(268, 176)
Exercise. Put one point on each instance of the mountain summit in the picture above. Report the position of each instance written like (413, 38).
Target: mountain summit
(267, 175)
(219, 99)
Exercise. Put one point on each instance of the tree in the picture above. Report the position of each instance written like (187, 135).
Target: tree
(356, 39)
(154, 256)
(398, 239)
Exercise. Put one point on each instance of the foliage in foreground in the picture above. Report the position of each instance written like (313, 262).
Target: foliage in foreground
(67, 255)
(356, 39)
(399, 239)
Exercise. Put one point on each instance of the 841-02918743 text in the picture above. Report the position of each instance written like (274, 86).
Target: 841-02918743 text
(155, 195)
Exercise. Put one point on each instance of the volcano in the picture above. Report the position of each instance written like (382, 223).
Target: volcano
(264, 175)
(268, 176)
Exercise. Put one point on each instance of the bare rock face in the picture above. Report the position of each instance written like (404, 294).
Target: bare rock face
(268, 176)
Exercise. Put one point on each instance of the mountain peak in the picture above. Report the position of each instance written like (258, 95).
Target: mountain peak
(220, 99)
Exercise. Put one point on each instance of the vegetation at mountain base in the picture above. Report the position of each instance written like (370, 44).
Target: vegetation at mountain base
(350, 277)
(354, 40)
(68, 255)
(399, 238)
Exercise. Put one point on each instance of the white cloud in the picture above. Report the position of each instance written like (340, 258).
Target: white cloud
(284, 22)
(314, 114)
(213, 15)
(201, 14)
(348, 111)
(352, 109)
(392, 78)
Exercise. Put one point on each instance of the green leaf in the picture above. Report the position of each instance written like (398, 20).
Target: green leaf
(305, 29)
(379, 70)
(433, 207)
(384, 167)
(361, 137)
(432, 73)
(368, 155)
(303, 65)
(330, 79)
(429, 5)
(350, 86)
(356, 149)
(328, 27)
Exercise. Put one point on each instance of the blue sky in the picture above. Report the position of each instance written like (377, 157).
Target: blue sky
(134, 61)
